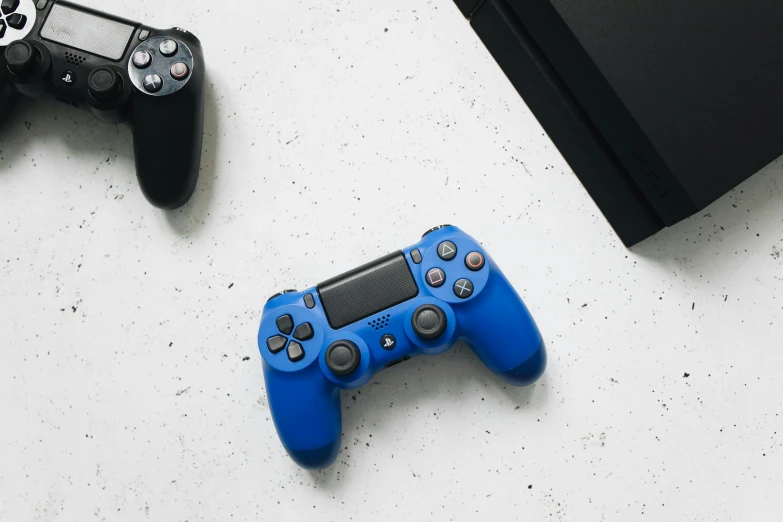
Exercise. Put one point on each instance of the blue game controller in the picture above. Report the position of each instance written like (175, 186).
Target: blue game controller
(420, 300)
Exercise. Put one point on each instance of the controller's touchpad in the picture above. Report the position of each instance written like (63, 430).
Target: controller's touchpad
(87, 32)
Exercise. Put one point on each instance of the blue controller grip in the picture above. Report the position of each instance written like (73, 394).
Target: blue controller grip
(306, 410)
(501, 332)
(420, 300)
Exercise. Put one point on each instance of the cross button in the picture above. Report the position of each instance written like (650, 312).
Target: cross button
(463, 288)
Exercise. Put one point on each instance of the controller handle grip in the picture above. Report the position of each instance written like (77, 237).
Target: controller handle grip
(306, 410)
(502, 333)
(167, 137)
(8, 94)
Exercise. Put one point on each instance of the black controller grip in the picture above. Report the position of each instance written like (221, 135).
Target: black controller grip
(8, 94)
(167, 136)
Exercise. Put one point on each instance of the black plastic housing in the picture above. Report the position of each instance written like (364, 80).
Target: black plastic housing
(659, 106)
(167, 130)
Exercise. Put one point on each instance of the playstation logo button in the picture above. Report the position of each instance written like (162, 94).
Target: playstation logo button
(388, 342)
(68, 78)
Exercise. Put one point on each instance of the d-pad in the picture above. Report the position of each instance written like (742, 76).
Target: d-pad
(285, 325)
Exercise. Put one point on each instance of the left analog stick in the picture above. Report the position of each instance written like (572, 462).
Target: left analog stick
(22, 58)
(343, 357)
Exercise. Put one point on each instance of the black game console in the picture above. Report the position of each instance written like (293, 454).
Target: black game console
(659, 106)
(122, 71)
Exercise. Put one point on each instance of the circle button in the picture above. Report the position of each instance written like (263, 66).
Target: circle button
(179, 71)
(168, 48)
(436, 277)
(343, 357)
(474, 261)
(447, 250)
(142, 59)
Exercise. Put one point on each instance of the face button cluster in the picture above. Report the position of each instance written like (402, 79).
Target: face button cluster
(447, 251)
(285, 327)
(160, 66)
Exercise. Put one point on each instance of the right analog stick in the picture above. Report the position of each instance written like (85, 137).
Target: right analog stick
(104, 84)
(428, 321)
(22, 58)
(343, 357)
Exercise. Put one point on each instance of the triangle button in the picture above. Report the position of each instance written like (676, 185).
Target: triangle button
(447, 250)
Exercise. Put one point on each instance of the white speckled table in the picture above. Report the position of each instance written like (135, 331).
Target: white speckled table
(130, 382)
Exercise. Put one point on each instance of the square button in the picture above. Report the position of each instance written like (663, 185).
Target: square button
(436, 277)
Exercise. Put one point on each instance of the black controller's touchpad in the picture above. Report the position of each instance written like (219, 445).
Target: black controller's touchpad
(367, 290)
(87, 32)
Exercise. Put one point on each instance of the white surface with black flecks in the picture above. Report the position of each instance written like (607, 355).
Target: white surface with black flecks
(336, 132)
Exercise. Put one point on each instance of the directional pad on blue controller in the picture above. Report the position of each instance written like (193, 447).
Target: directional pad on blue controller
(9, 6)
(304, 332)
(276, 343)
(295, 352)
(285, 323)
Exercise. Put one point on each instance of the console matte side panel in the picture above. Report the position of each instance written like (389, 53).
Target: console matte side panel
(605, 109)
(698, 79)
(568, 126)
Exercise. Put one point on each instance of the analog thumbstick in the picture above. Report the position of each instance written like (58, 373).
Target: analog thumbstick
(343, 357)
(104, 84)
(428, 321)
(22, 58)
(433, 229)
(282, 292)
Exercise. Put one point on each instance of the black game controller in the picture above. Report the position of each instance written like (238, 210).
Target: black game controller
(151, 79)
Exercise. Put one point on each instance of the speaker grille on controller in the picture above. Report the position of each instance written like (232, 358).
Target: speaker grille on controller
(379, 323)
(74, 59)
